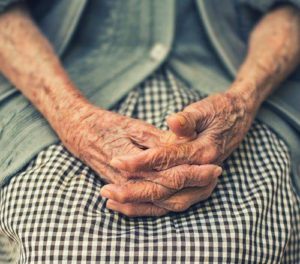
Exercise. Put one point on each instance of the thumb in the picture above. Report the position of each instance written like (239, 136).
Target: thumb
(185, 123)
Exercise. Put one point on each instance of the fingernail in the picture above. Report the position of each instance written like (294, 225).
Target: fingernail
(217, 171)
(178, 117)
(106, 192)
(181, 120)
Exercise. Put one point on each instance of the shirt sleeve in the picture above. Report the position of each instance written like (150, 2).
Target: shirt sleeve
(6, 3)
(266, 5)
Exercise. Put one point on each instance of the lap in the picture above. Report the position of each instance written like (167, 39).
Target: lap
(52, 211)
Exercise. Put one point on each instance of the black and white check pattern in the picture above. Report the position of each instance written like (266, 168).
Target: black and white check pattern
(52, 212)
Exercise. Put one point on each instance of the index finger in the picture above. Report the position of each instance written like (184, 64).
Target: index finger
(136, 191)
(159, 158)
(182, 176)
(158, 189)
(136, 209)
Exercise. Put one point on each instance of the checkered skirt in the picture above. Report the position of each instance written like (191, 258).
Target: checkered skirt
(52, 212)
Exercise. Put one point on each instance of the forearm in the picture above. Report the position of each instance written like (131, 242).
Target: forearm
(29, 62)
(273, 53)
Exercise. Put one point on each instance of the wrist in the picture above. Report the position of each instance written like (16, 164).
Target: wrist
(255, 81)
(247, 93)
(68, 122)
(66, 107)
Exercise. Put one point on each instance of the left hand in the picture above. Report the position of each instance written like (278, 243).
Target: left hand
(216, 124)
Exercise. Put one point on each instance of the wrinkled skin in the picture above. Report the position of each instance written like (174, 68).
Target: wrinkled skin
(214, 127)
(97, 136)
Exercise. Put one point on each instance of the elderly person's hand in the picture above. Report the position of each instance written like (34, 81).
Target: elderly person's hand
(97, 136)
(215, 127)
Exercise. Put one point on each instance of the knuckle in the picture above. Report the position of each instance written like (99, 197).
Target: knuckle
(182, 154)
(177, 179)
(147, 192)
(155, 193)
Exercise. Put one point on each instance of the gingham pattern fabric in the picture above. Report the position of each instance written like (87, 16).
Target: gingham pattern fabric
(52, 212)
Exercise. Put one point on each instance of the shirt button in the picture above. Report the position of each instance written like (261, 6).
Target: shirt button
(158, 52)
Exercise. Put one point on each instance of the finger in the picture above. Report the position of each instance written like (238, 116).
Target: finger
(185, 198)
(161, 187)
(181, 125)
(160, 158)
(186, 123)
(136, 191)
(183, 176)
(136, 209)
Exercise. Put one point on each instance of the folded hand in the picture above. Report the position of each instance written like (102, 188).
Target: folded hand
(214, 126)
(97, 137)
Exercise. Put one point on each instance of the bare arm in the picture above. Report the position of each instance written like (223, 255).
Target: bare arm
(273, 53)
(29, 62)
